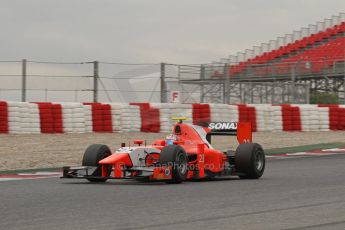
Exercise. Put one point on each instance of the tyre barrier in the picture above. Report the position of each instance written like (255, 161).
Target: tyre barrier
(247, 113)
(50, 117)
(23, 117)
(335, 115)
(100, 117)
(57, 118)
(201, 113)
(130, 115)
(291, 118)
(3, 117)
(150, 117)
(47, 117)
(73, 118)
(165, 112)
(222, 112)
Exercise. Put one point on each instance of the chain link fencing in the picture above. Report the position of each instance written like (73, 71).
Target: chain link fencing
(161, 82)
(79, 81)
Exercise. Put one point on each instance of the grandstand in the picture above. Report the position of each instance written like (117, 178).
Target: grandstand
(284, 70)
(321, 50)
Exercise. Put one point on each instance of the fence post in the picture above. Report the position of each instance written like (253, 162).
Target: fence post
(344, 84)
(45, 94)
(202, 77)
(293, 86)
(241, 93)
(23, 80)
(95, 81)
(272, 92)
(163, 84)
(340, 16)
(227, 83)
(76, 95)
(308, 92)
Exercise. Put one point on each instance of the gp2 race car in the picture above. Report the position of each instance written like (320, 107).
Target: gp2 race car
(185, 154)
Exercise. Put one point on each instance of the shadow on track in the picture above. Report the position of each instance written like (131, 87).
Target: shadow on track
(150, 183)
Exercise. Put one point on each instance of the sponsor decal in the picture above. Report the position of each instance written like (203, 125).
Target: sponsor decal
(223, 125)
(175, 96)
(202, 158)
(167, 172)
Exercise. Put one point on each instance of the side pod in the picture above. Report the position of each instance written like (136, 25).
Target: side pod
(118, 158)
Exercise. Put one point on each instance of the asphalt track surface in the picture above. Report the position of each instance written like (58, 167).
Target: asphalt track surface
(295, 193)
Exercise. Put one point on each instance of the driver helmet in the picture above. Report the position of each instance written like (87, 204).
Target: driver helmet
(170, 139)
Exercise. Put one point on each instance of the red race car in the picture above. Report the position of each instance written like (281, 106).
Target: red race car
(185, 154)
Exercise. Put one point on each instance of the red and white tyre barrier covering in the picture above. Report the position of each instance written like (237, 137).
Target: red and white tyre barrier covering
(73, 118)
(149, 117)
(97, 117)
(35, 117)
(23, 118)
(126, 118)
(335, 115)
(4, 117)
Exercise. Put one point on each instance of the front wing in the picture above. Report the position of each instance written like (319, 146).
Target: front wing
(87, 172)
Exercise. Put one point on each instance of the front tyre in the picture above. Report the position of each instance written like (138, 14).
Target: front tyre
(250, 161)
(93, 154)
(175, 156)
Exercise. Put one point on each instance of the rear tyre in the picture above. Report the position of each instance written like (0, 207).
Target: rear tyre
(250, 161)
(175, 156)
(93, 154)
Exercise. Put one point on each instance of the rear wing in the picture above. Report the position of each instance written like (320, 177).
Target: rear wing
(243, 130)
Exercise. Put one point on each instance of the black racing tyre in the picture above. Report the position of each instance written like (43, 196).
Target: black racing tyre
(93, 154)
(175, 156)
(250, 161)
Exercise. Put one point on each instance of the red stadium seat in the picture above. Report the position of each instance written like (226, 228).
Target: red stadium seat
(307, 49)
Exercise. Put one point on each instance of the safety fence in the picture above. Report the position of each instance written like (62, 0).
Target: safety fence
(30, 80)
(46, 117)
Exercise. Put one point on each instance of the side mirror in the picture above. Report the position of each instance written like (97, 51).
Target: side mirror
(138, 142)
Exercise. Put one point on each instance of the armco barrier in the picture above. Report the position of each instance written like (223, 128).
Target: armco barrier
(25, 117)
